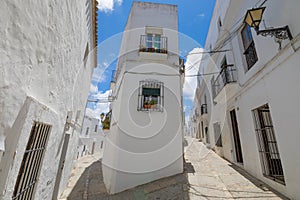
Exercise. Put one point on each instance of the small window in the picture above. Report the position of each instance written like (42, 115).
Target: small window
(96, 127)
(153, 41)
(249, 47)
(150, 96)
(87, 131)
(267, 144)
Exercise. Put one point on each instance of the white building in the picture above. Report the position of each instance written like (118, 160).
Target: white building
(91, 137)
(46, 62)
(252, 106)
(146, 132)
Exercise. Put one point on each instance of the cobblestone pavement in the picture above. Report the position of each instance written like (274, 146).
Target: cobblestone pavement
(206, 176)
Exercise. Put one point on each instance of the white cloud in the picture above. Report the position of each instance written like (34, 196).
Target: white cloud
(93, 89)
(192, 66)
(100, 107)
(108, 5)
(99, 74)
(201, 15)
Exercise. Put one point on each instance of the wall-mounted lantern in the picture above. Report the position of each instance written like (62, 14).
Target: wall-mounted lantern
(253, 18)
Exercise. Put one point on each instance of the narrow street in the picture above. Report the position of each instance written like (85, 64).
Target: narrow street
(206, 176)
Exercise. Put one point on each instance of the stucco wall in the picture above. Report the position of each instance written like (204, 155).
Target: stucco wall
(271, 80)
(144, 146)
(42, 47)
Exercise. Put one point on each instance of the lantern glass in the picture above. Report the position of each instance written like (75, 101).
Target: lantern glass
(254, 17)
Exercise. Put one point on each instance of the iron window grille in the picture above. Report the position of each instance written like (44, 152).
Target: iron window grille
(151, 96)
(153, 43)
(203, 109)
(249, 47)
(267, 144)
(32, 161)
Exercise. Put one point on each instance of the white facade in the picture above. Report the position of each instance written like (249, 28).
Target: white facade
(145, 143)
(269, 82)
(47, 58)
(91, 137)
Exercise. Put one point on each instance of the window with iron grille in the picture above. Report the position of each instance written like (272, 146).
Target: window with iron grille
(249, 47)
(32, 161)
(153, 43)
(151, 96)
(267, 144)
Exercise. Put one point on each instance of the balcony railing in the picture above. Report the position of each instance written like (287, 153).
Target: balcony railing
(153, 44)
(203, 109)
(227, 75)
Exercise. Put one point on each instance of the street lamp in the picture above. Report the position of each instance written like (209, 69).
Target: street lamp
(253, 18)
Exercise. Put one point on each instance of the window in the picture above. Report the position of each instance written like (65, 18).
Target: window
(32, 161)
(154, 43)
(249, 47)
(96, 127)
(267, 145)
(150, 96)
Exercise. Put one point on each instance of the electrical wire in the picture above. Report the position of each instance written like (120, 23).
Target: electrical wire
(206, 52)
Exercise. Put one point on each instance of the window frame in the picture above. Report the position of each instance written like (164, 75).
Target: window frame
(32, 160)
(267, 144)
(150, 84)
(250, 52)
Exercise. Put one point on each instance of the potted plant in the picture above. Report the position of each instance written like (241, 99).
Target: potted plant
(105, 121)
(142, 49)
(146, 105)
(152, 104)
(151, 49)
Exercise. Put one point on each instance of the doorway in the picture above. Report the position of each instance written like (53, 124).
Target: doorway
(236, 137)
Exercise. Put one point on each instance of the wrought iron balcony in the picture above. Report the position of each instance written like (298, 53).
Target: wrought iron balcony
(203, 109)
(226, 76)
(153, 44)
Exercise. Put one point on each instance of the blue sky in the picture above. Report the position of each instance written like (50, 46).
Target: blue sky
(194, 18)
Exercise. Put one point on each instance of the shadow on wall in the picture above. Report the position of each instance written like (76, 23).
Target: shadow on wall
(91, 186)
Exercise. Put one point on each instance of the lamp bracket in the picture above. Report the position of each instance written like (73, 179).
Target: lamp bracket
(281, 33)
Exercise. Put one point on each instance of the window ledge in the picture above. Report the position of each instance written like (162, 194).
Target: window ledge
(153, 56)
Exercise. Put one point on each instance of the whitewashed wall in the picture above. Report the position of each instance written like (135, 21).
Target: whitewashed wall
(145, 146)
(42, 78)
(271, 80)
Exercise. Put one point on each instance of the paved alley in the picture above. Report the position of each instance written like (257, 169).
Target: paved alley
(206, 176)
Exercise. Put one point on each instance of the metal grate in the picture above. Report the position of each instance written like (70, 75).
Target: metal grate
(31, 163)
(227, 75)
(151, 96)
(203, 109)
(267, 144)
